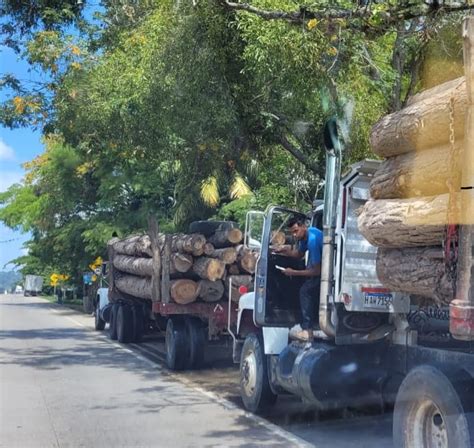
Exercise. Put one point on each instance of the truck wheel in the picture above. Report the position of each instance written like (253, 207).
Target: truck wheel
(207, 228)
(99, 323)
(429, 412)
(176, 344)
(124, 324)
(255, 390)
(138, 323)
(197, 342)
(113, 321)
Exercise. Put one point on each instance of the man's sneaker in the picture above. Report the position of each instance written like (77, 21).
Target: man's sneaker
(303, 335)
(294, 331)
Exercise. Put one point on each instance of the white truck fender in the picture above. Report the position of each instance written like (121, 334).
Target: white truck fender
(246, 303)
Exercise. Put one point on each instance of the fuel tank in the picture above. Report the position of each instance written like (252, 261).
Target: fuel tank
(331, 376)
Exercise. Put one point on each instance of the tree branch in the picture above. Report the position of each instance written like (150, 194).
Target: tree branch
(299, 155)
(390, 17)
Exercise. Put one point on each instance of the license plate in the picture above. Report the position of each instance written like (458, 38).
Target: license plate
(378, 300)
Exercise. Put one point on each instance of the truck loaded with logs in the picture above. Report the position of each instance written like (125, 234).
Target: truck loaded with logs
(181, 284)
(397, 232)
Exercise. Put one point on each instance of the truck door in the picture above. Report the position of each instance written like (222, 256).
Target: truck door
(277, 295)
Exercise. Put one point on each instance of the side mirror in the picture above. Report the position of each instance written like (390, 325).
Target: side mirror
(330, 134)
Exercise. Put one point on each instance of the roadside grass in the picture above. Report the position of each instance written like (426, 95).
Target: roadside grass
(75, 304)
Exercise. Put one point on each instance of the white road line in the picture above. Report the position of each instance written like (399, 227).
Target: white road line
(75, 321)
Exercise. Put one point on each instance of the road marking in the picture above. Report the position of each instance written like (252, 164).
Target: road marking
(75, 321)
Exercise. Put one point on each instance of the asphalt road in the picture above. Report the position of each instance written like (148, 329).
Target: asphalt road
(62, 384)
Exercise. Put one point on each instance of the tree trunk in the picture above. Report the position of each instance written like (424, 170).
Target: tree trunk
(233, 269)
(211, 291)
(404, 222)
(237, 282)
(209, 268)
(246, 259)
(227, 255)
(184, 291)
(424, 123)
(143, 267)
(226, 238)
(134, 286)
(417, 173)
(418, 271)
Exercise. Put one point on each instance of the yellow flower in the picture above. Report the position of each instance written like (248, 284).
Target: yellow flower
(312, 24)
(20, 104)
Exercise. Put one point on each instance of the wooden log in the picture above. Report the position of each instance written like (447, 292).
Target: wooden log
(143, 267)
(184, 291)
(233, 269)
(208, 249)
(418, 271)
(417, 173)
(237, 282)
(227, 255)
(424, 123)
(135, 286)
(155, 245)
(211, 291)
(404, 222)
(208, 268)
(180, 263)
(246, 259)
(165, 270)
(226, 238)
(135, 246)
(278, 238)
(191, 244)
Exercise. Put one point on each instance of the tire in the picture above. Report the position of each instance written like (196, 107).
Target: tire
(207, 228)
(125, 324)
(196, 337)
(113, 321)
(255, 390)
(429, 410)
(177, 350)
(99, 323)
(138, 323)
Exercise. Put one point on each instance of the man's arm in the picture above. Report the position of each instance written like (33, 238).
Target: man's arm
(313, 271)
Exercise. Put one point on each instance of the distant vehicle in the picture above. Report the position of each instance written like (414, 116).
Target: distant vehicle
(32, 285)
(18, 289)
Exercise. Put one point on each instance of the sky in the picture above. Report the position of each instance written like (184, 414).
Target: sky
(16, 147)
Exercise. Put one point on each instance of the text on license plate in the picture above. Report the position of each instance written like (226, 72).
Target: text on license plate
(378, 300)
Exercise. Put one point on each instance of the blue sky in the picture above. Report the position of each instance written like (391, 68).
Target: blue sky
(16, 147)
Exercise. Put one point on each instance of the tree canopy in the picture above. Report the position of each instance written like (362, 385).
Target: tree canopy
(204, 108)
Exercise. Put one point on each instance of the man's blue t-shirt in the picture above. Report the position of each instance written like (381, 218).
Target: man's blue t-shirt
(314, 245)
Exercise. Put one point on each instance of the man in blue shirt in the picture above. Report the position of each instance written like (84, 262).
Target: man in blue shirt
(310, 241)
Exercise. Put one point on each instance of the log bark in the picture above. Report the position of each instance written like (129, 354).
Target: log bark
(423, 124)
(143, 267)
(191, 244)
(417, 173)
(135, 286)
(226, 238)
(211, 291)
(233, 269)
(404, 222)
(154, 237)
(418, 271)
(237, 282)
(246, 259)
(184, 291)
(227, 255)
(208, 268)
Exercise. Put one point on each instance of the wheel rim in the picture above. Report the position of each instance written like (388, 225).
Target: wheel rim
(249, 374)
(429, 428)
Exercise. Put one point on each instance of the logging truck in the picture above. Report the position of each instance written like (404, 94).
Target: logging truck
(181, 284)
(397, 233)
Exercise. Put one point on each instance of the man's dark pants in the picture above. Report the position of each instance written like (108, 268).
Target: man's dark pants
(309, 301)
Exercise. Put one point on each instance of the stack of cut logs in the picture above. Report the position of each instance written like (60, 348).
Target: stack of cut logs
(190, 267)
(413, 191)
